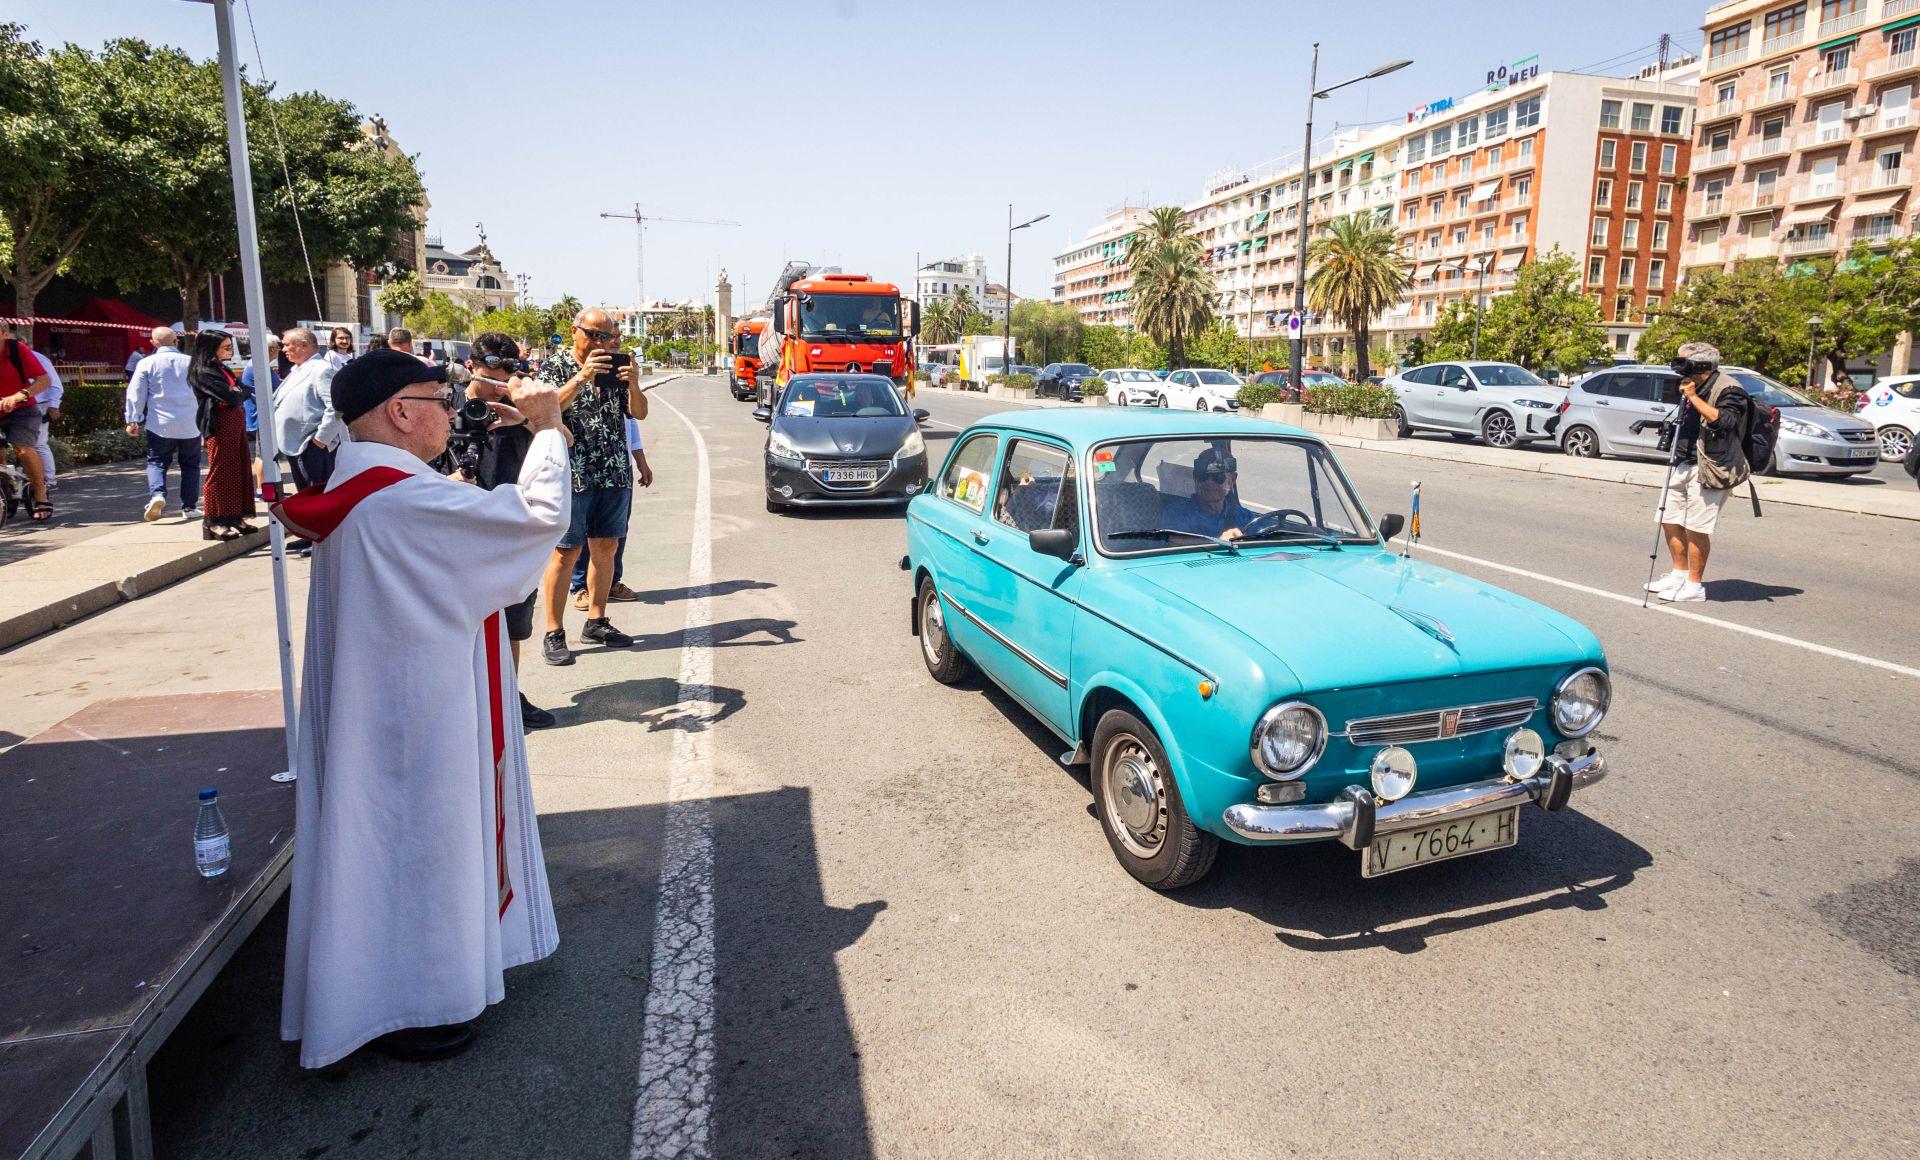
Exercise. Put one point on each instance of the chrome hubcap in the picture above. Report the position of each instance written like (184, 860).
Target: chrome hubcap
(1135, 796)
(933, 628)
(1500, 431)
(1579, 444)
(1895, 443)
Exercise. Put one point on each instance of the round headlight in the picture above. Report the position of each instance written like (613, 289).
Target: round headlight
(1581, 701)
(1288, 740)
(1523, 754)
(1392, 773)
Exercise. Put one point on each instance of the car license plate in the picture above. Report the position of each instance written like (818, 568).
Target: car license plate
(1437, 843)
(852, 474)
(1866, 453)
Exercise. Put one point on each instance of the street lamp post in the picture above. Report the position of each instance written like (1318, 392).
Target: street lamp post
(1006, 349)
(1813, 354)
(1314, 93)
(1480, 302)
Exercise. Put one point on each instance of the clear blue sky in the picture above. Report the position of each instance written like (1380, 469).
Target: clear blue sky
(848, 131)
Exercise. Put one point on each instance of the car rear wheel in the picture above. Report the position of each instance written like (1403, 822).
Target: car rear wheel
(1401, 427)
(1161, 402)
(1140, 809)
(944, 661)
(1199, 404)
(1895, 442)
(1581, 443)
(1497, 430)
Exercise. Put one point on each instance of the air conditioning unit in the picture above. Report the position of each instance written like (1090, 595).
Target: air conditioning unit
(1857, 112)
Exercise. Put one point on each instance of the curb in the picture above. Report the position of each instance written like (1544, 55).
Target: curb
(91, 595)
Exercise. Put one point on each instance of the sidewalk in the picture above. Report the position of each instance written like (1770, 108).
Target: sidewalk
(96, 552)
(1861, 496)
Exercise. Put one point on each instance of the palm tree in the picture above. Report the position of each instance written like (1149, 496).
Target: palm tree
(938, 324)
(963, 307)
(1360, 271)
(1173, 295)
(1165, 225)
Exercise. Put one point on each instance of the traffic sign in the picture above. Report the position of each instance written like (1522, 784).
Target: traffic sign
(1293, 324)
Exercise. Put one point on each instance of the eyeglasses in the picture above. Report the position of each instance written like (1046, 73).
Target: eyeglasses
(445, 400)
(1213, 476)
(595, 335)
(494, 362)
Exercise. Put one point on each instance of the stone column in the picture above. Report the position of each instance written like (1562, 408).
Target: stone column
(722, 320)
(1902, 354)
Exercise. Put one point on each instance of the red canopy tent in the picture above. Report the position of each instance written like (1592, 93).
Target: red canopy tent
(100, 330)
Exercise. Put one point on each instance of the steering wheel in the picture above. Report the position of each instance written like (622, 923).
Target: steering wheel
(1273, 521)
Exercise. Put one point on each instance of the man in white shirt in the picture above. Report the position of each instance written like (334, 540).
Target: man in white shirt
(307, 428)
(161, 403)
(49, 402)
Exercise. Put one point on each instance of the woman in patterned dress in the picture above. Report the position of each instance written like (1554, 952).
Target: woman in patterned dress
(223, 424)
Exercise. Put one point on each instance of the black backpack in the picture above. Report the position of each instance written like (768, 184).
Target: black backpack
(1762, 434)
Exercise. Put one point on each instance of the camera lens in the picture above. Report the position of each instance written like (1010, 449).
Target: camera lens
(475, 411)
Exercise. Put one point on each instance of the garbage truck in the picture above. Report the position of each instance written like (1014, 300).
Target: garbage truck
(746, 355)
(826, 320)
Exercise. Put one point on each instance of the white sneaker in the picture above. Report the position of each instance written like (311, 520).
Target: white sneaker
(155, 506)
(1685, 592)
(1667, 583)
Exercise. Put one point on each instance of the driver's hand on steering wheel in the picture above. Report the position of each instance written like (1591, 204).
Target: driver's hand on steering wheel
(1231, 534)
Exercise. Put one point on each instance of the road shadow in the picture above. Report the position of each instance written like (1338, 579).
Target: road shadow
(1747, 591)
(552, 1072)
(850, 513)
(1879, 915)
(736, 633)
(654, 702)
(784, 1052)
(717, 588)
(89, 501)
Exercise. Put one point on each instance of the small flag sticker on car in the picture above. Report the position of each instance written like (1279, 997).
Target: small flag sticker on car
(1103, 461)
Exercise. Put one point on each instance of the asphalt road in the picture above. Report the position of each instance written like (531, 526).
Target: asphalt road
(916, 942)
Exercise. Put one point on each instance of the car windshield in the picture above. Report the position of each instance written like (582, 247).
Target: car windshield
(1771, 393)
(747, 343)
(1505, 375)
(872, 315)
(841, 399)
(1174, 494)
(1137, 377)
(1217, 378)
(1322, 379)
(1075, 369)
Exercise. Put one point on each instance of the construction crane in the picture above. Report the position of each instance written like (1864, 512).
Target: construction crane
(640, 220)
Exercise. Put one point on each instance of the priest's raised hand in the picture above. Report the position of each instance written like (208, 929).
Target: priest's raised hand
(418, 875)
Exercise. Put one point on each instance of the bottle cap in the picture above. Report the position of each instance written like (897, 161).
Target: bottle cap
(208, 794)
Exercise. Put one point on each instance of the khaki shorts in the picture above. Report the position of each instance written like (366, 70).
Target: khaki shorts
(1693, 507)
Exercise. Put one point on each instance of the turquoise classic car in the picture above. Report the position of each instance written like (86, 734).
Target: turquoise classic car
(1205, 612)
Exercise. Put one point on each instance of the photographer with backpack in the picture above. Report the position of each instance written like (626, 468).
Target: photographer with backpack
(1710, 435)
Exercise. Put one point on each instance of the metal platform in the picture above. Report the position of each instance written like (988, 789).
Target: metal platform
(107, 933)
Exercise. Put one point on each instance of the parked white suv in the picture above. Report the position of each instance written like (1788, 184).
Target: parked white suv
(1131, 386)
(1893, 407)
(1201, 389)
(1502, 404)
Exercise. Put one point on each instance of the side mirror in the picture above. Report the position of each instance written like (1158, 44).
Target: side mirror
(1391, 525)
(779, 322)
(764, 414)
(921, 414)
(1060, 543)
(913, 319)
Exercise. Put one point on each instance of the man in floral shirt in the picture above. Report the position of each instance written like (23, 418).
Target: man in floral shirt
(596, 414)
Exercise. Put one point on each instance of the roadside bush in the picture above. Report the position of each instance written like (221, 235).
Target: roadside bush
(110, 445)
(62, 453)
(1095, 388)
(923, 376)
(1254, 396)
(1355, 402)
(1845, 400)
(1021, 382)
(86, 407)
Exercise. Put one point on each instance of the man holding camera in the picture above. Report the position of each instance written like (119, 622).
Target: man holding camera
(598, 391)
(1709, 460)
(418, 876)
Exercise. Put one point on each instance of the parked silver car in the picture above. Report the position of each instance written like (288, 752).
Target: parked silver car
(1619, 411)
(1500, 403)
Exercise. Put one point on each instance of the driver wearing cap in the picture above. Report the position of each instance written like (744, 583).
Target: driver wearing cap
(1214, 508)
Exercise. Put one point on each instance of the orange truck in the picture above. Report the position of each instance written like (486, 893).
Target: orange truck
(829, 321)
(746, 355)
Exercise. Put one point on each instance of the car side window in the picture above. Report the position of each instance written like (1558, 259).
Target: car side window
(1907, 390)
(1668, 389)
(967, 475)
(1641, 388)
(1599, 385)
(1422, 376)
(1451, 376)
(1037, 489)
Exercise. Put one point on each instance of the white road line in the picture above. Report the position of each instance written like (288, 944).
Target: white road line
(672, 1109)
(1656, 605)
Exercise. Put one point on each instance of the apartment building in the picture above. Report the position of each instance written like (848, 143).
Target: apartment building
(1595, 166)
(945, 277)
(1091, 275)
(1806, 129)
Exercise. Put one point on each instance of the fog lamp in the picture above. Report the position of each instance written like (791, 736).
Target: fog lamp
(1392, 773)
(785, 490)
(1523, 754)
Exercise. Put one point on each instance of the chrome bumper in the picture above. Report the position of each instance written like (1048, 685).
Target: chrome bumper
(1356, 817)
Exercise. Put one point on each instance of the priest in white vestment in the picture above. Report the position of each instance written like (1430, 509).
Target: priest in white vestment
(417, 871)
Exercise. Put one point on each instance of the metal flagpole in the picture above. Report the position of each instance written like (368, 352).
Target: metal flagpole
(257, 330)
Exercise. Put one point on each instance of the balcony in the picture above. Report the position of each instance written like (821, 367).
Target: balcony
(1704, 253)
(1785, 42)
(1830, 82)
(1766, 147)
(1893, 8)
(1881, 179)
(1817, 244)
(1819, 189)
(1720, 62)
(1772, 97)
(1760, 200)
(1841, 24)
(1713, 159)
(1876, 236)
(1709, 205)
(1718, 111)
(1899, 120)
(1898, 63)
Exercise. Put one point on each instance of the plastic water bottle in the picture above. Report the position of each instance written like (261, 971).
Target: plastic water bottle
(211, 850)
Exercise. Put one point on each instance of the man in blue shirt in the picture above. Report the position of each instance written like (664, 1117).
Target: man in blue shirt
(1214, 508)
(162, 405)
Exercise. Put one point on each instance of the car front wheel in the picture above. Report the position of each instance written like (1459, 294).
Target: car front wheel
(1162, 401)
(945, 662)
(1497, 430)
(1581, 443)
(1401, 427)
(1895, 442)
(1140, 808)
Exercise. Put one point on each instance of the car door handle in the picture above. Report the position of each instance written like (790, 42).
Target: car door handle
(979, 537)
(1601, 403)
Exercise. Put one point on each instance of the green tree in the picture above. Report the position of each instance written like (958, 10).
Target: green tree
(1165, 225)
(1046, 331)
(963, 305)
(1546, 322)
(1104, 346)
(1218, 346)
(1864, 301)
(1173, 291)
(402, 294)
(527, 325)
(1359, 271)
(58, 166)
(938, 324)
(439, 316)
(560, 317)
(1416, 353)
(1451, 338)
(1749, 313)
(978, 322)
